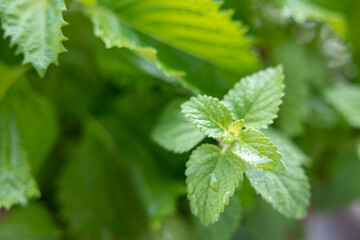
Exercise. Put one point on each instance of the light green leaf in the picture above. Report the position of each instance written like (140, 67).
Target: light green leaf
(188, 36)
(208, 114)
(115, 33)
(346, 99)
(288, 191)
(236, 127)
(17, 183)
(35, 27)
(256, 149)
(212, 176)
(33, 222)
(257, 98)
(174, 132)
(287, 147)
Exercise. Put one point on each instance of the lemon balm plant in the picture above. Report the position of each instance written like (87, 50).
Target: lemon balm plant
(214, 172)
(163, 120)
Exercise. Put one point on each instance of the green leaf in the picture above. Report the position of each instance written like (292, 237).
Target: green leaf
(34, 113)
(208, 114)
(35, 27)
(256, 149)
(115, 33)
(226, 226)
(17, 183)
(286, 146)
(191, 36)
(212, 176)
(257, 98)
(174, 132)
(346, 100)
(288, 191)
(95, 184)
(158, 190)
(33, 222)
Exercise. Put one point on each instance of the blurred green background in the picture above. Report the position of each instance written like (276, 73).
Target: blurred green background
(102, 104)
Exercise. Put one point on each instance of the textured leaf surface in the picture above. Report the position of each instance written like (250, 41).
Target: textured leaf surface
(208, 114)
(174, 132)
(33, 222)
(35, 27)
(286, 146)
(257, 98)
(288, 191)
(17, 183)
(196, 27)
(212, 176)
(256, 149)
(346, 99)
(188, 36)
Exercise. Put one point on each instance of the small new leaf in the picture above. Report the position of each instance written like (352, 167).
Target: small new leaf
(212, 176)
(256, 149)
(257, 98)
(35, 26)
(208, 114)
(174, 132)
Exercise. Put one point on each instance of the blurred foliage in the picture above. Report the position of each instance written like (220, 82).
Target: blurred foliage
(83, 137)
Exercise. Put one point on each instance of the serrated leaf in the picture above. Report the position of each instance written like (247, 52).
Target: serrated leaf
(212, 176)
(17, 183)
(208, 114)
(188, 36)
(115, 33)
(174, 132)
(286, 146)
(346, 100)
(35, 27)
(287, 191)
(256, 149)
(33, 222)
(257, 98)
